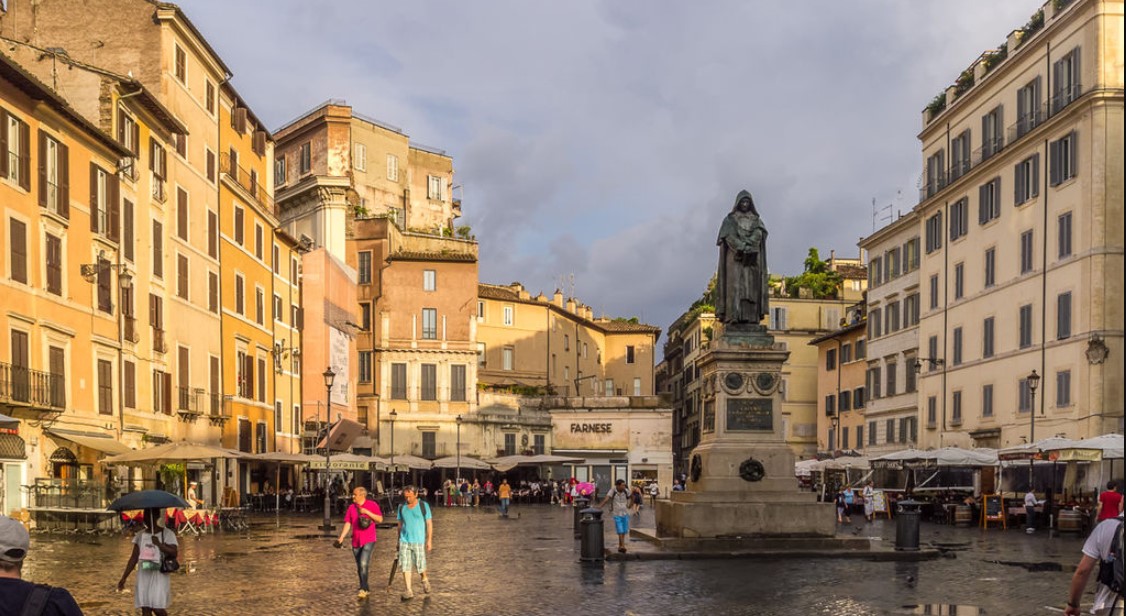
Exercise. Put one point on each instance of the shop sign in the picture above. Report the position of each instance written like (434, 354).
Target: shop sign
(598, 428)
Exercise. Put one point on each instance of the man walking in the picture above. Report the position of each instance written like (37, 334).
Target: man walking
(619, 497)
(416, 530)
(1098, 556)
(1030, 503)
(21, 597)
(505, 494)
(361, 518)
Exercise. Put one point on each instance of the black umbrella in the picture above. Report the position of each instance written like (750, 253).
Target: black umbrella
(148, 499)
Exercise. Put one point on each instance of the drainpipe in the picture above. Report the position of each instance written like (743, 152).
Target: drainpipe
(121, 322)
(1044, 252)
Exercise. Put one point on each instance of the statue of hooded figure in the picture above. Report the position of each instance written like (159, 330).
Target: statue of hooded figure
(742, 289)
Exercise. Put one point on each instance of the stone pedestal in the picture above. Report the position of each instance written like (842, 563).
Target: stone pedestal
(741, 476)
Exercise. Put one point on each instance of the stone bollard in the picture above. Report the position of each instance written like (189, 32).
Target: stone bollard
(907, 526)
(580, 503)
(591, 546)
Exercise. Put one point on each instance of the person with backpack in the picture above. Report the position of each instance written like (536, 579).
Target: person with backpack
(360, 519)
(416, 532)
(1102, 552)
(20, 596)
(620, 508)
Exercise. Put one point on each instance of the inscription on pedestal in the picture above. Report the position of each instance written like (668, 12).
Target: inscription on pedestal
(750, 414)
(708, 424)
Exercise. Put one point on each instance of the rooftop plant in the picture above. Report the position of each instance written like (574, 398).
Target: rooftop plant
(965, 82)
(1035, 22)
(937, 104)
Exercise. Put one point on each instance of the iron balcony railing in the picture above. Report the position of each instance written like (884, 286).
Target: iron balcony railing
(216, 408)
(21, 385)
(1027, 122)
(1064, 96)
(252, 184)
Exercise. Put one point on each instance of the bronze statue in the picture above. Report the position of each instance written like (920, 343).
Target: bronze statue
(742, 289)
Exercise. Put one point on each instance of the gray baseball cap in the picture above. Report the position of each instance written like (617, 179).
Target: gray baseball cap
(14, 540)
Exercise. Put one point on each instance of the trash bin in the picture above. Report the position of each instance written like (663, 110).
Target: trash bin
(591, 544)
(580, 503)
(907, 526)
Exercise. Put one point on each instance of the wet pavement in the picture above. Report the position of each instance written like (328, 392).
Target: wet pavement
(528, 564)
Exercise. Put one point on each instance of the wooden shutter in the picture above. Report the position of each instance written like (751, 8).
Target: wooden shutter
(261, 380)
(212, 292)
(212, 235)
(136, 149)
(181, 213)
(42, 162)
(113, 196)
(260, 142)
(182, 276)
(130, 384)
(4, 146)
(127, 229)
(167, 380)
(300, 324)
(25, 157)
(1054, 163)
(18, 235)
(121, 126)
(157, 249)
(240, 119)
(210, 166)
(1073, 142)
(93, 198)
(63, 190)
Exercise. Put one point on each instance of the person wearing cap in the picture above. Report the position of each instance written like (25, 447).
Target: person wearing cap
(19, 596)
(193, 495)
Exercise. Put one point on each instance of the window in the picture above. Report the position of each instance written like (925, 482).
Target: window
(1064, 240)
(180, 68)
(1065, 78)
(932, 352)
(539, 444)
(989, 201)
(1062, 159)
(1063, 388)
(1027, 182)
(128, 133)
(934, 232)
(876, 272)
(181, 143)
(630, 352)
(960, 155)
(105, 387)
(1029, 111)
(934, 291)
(182, 214)
(992, 137)
(359, 161)
(778, 318)
(240, 227)
(959, 280)
(875, 376)
(1026, 252)
(429, 381)
(54, 178)
(1063, 316)
(429, 280)
(130, 392)
(212, 234)
(258, 241)
(259, 306)
(213, 292)
(936, 172)
(364, 266)
(209, 96)
(846, 353)
(987, 338)
(911, 310)
(182, 276)
(398, 381)
(17, 255)
(103, 202)
(1024, 396)
(365, 366)
(959, 218)
(480, 310)
(261, 379)
(509, 444)
(457, 383)
(276, 259)
(482, 359)
(434, 188)
(305, 158)
(956, 412)
(158, 165)
(429, 324)
(279, 171)
(932, 411)
(157, 249)
(16, 161)
(874, 323)
(987, 400)
(891, 313)
(508, 315)
(911, 382)
(1026, 326)
(860, 349)
(990, 267)
(392, 167)
(831, 359)
(892, 374)
(240, 294)
(844, 436)
(209, 156)
(957, 346)
(566, 342)
(507, 358)
(857, 398)
(871, 433)
(846, 400)
(911, 255)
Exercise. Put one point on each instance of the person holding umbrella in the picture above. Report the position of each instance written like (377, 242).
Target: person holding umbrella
(151, 547)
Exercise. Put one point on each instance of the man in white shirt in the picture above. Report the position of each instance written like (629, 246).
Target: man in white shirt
(1095, 550)
(1030, 503)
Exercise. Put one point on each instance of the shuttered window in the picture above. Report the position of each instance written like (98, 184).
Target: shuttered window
(457, 383)
(182, 213)
(54, 175)
(1064, 240)
(987, 338)
(239, 229)
(56, 358)
(1063, 159)
(398, 381)
(182, 277)
(1026, 184)
(212, 234)
(105, 387)
(990, 267)
(240, 295)
(213, 292)
(157, 249)
(54, 265)
(130, 384)
(987, 400)
(1026, 326)
(18, 251)
(105, 289)
(1026, 252)
(989, 201)
(210, 166)
(1063, 316)
(429, 381)
(261, 379)
(1063, 388)
(127, 229)
(957, 346)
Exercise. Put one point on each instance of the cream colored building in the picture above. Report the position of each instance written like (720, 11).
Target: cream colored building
(680, 381)
(1022, 237)
(893, 308)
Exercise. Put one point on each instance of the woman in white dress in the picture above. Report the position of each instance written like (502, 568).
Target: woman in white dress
(150, 547)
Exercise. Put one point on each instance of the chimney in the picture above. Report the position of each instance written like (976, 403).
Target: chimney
(557, 299)
(571, 305)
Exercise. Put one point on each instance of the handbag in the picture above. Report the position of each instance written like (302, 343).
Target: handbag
(168, 564)
(363, 521)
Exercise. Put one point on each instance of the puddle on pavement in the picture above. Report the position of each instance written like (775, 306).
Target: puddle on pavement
(940, 609)
(1032, 567)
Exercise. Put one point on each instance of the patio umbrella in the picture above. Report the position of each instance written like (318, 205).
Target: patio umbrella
(8, 422)
(466, 462)
(181, 451)
(413, 462)
(148, 499)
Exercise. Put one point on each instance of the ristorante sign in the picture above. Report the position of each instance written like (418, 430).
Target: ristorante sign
(598, 428)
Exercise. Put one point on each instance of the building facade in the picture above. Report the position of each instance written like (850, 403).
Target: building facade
(841, 423)
(1029, 140)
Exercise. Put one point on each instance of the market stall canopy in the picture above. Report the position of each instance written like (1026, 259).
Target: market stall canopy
(1035, 451)
(846, 462)
(1105, 447)
(803, 468)
(506, 463)
(465, 462)
(896, 459)
(413, 462)
(956, 456)
(286, 458)
(96, 442)
(181, 451)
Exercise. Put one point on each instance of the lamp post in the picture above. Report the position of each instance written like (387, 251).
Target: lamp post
(457, 475)
(393, 415)
(329, 376)
(1033, 382)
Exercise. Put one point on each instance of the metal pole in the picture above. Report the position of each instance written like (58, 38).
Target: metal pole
(328, 461)
(392, 498)
(458, 475)
(1031, 431)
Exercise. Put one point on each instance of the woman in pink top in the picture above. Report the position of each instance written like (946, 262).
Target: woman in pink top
(361, 518)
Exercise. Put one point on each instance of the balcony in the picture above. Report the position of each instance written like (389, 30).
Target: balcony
(249, 183)
(1065, 96)
(132, 334)
(1027, 122)
(217, 412)
(158, 192)
(31, 389)
(191, 403)
(159, 344)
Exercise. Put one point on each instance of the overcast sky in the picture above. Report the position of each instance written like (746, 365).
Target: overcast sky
(607, 139)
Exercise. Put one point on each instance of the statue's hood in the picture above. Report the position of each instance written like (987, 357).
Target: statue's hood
(739, 197)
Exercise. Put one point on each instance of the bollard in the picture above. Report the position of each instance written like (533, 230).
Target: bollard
(590, 544)
(907, 526)
(580, 504)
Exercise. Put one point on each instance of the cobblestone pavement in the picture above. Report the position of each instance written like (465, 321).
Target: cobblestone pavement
(528, 564)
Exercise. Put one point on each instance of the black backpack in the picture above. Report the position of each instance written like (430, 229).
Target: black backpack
(36, 602)
(1111, 570)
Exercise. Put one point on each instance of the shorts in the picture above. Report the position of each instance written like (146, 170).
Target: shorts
(412, 555)
(621, 524)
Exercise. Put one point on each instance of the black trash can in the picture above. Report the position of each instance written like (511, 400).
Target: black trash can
(907, 526)
(580, 503)
(591, 545)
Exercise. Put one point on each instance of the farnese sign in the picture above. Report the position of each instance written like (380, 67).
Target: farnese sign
(599, 428)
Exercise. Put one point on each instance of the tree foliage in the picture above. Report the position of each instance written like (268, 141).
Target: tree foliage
(822, 282)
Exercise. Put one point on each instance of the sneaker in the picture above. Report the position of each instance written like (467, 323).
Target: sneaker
(363, 594)
(426, 586)
(407, 596)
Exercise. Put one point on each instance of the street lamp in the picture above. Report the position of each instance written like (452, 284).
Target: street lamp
(329, 376)
(393, 415)
(1033, 382)
(457, 475)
